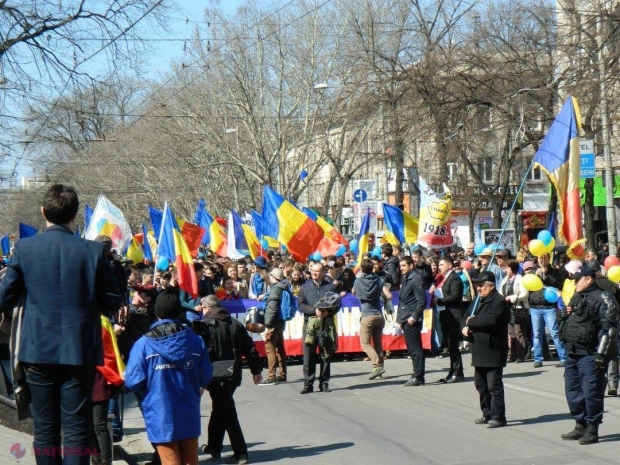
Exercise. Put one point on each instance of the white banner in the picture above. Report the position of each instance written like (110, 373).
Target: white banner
(109, 221)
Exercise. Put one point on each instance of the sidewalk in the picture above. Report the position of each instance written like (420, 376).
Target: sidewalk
(16, 448)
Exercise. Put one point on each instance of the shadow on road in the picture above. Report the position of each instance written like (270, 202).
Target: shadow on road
(293, 452)
(541, 419)
(522, 375)
(609, 438)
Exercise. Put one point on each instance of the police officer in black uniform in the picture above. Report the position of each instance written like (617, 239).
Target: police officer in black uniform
(588, 328)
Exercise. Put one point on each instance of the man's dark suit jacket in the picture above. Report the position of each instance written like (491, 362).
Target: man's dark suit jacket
(452, 290)
(68, 284)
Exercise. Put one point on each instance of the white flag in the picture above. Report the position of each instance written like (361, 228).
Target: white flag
(109, 221)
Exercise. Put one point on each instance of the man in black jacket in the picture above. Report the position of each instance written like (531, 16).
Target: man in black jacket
(390, 265)
(486, 325)
(309, 294)
(422, 268)
(449, 301)
(412, 301)
(229, 341)
(274, 335)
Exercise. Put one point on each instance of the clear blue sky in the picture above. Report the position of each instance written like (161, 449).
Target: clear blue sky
(182, 23)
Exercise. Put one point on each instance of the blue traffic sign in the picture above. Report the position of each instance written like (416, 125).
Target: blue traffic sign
(587, 165)
(360, 195)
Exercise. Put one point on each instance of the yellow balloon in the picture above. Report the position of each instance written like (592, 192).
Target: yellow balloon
(568, 290)
(613, 274)
(537, 247)
(551, 246)
(532, 282)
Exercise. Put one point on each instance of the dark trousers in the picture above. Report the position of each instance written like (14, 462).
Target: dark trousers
(60, 400)
(115, 407)
(100, 436)
(310, 360)
(224, 419)
(413, 339)
(516, 334)
(452, 333)
(489, 384)
(585, 388)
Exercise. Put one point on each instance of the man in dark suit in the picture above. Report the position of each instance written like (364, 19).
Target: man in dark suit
(410, 314)
(67, 282)
(486, 325)
(450, 305)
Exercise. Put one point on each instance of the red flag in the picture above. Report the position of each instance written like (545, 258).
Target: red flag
(192, 233)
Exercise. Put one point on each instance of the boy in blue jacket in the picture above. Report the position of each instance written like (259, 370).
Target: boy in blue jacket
(170, 367)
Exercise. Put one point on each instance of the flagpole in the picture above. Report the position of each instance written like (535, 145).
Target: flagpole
(501, 234)
(161, 233)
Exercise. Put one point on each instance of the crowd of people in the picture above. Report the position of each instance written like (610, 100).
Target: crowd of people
(176, 345)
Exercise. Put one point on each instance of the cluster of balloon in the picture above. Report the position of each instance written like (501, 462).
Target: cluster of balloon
(612, 263)
(162, 263)
(545, 243)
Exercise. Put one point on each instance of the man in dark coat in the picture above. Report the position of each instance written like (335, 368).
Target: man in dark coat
(274, 335)
(309, 295)
(412, 301)
(390, 265)
(67, 283)
(486, 326)
(450, 306)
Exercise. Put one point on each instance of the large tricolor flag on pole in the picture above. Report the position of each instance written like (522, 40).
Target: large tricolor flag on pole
(559, 157)
(363, 240)
(290, 226)
(214, 236)
(402, 227)
(258, 230)
(172, 244)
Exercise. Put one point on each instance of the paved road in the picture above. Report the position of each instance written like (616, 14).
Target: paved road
(370, 422)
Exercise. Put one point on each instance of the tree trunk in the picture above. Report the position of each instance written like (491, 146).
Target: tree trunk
(588, 208)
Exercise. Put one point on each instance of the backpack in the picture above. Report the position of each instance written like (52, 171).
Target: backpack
(288, 305)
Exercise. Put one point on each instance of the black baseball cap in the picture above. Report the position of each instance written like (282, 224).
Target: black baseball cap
(485, 276)
(584, 270)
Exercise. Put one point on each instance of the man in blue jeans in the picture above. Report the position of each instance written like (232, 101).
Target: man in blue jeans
(543, 312)
(66, 282)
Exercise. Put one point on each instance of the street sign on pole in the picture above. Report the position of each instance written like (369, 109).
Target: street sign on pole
(360, 195)
(587, 163)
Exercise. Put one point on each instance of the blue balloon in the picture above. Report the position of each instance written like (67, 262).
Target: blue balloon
(376, 252)
(551, 294)
(264, 244)
(316, 256)
(163, 263)
(545, 236)
(341, 250)
(493, 247)
(353, 246)
(478, 248)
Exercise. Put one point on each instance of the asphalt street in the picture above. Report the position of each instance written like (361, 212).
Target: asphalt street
(381, 421)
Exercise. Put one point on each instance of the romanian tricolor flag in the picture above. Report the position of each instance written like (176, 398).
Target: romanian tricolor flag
(171, 243)
(330, 244)
(214, 237)
(290, 226)
(559, 157)
(363, 240)
(113, 368)
(258, 230)
(402, 228)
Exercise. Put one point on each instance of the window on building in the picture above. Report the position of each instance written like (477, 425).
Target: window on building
(451, 172)
(485, 168)
(535, 174)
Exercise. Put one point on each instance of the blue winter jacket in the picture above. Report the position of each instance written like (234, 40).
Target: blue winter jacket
(168, 366)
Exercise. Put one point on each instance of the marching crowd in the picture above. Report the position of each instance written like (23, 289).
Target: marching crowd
(177, 346)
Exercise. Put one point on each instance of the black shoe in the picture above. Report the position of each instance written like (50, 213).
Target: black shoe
(612, 392)
(414, 382)
(307, 390)
(496, 423)
(519, 360)
(577, 433)
(213, 453)
(238, 459)
(537, 364)
(325, 388)
(562, 364)
(591, 436)
(455, 379)
(482, 420)
(281, 379)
